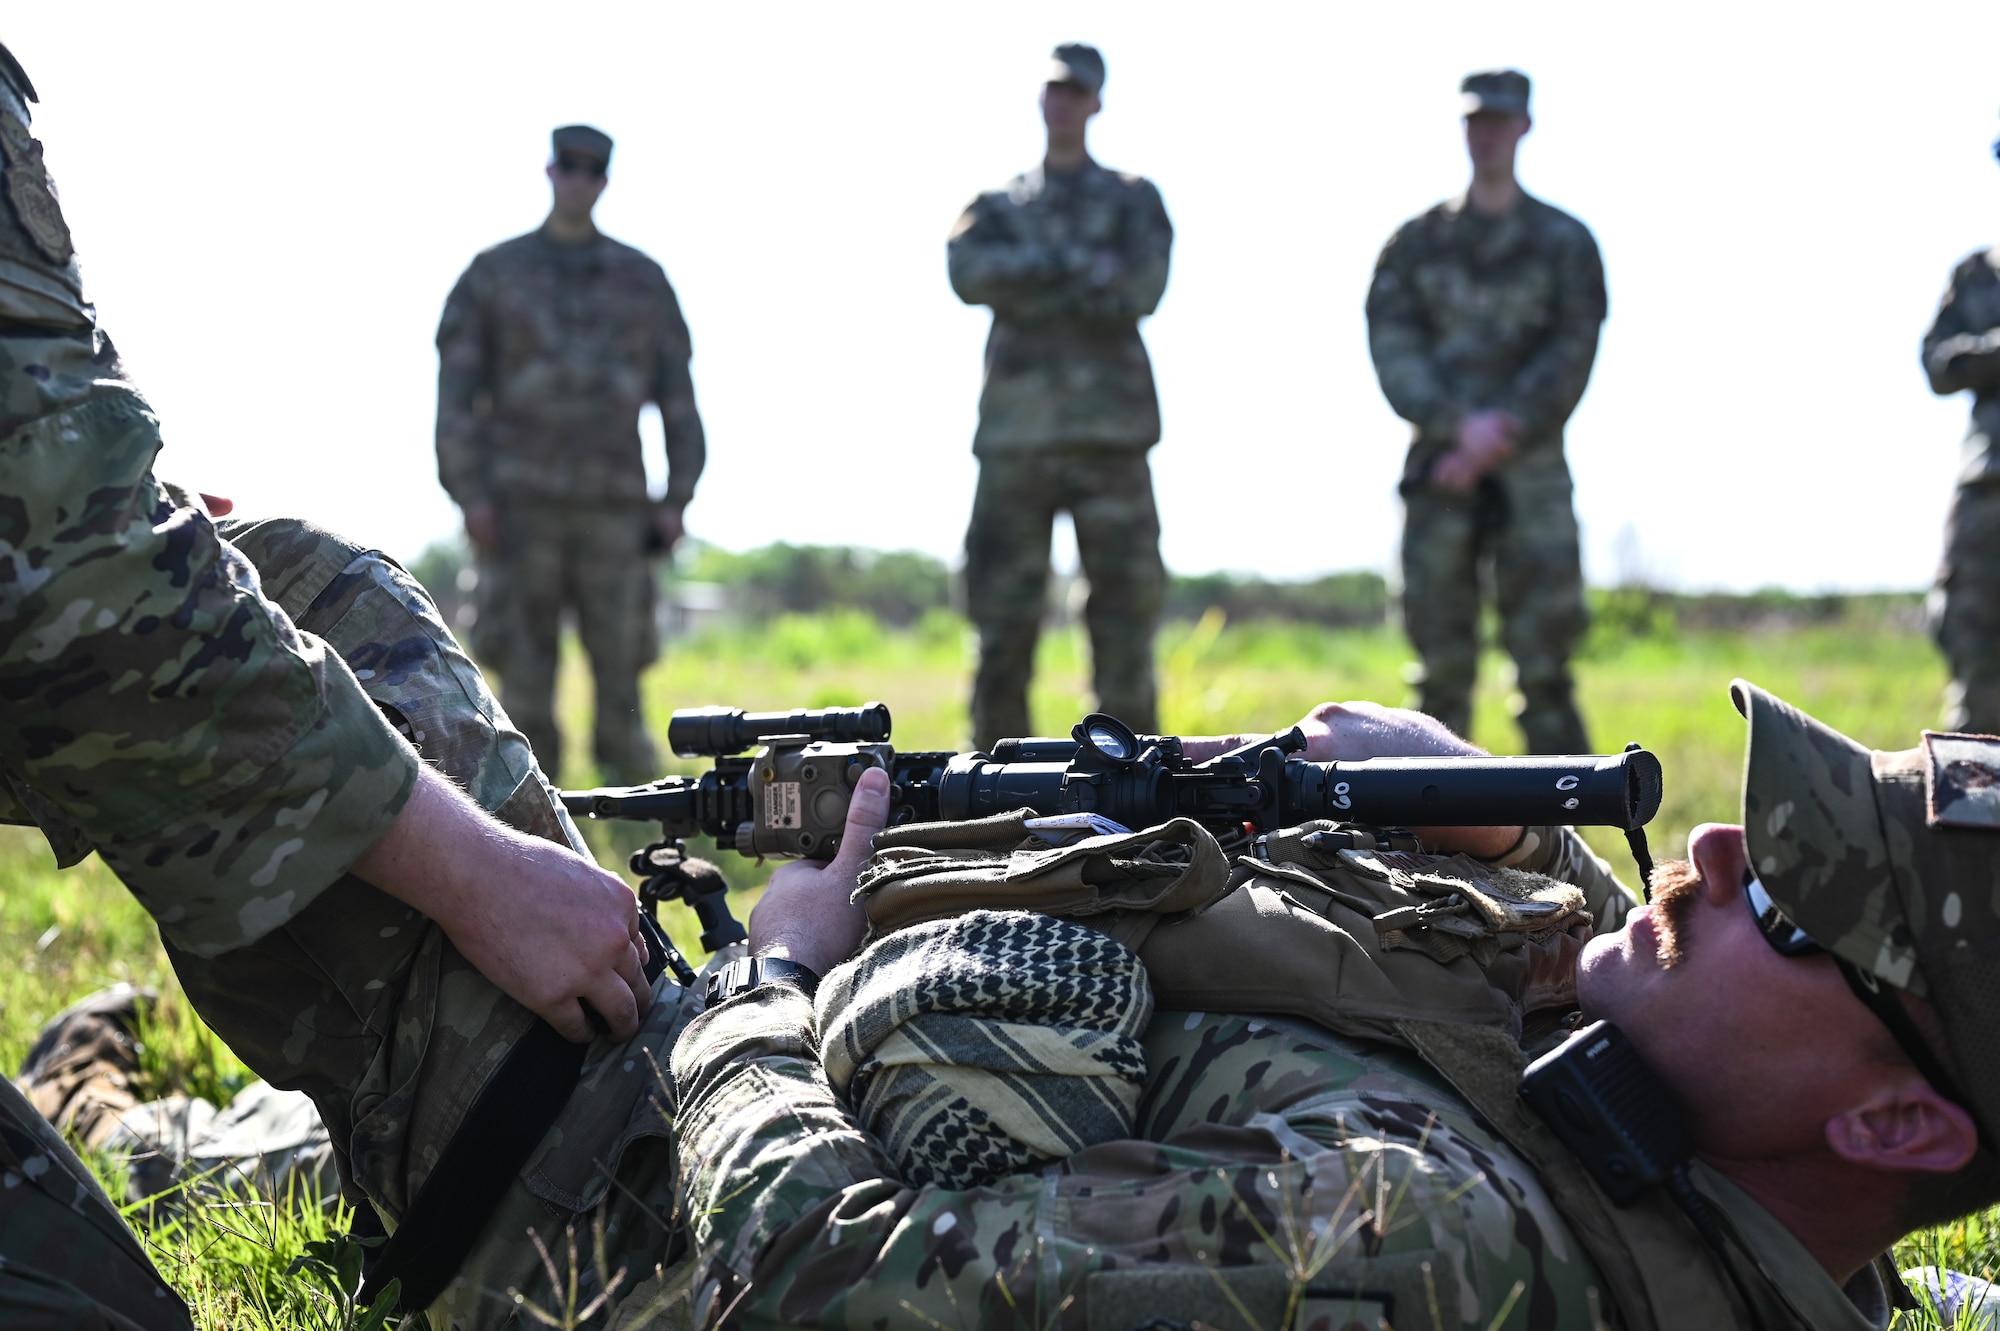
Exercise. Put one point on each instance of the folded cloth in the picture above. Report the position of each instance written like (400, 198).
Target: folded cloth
(979, 1045)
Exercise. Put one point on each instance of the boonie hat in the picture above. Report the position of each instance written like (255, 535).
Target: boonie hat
(1495, 90)
(586, 139)
(1889, 861)
(1075, 62)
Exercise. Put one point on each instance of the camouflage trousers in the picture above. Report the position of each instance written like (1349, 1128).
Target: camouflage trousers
(590, 558)
(69, 1261)
(1109, 496)
(1965, 609)
(1519, 533)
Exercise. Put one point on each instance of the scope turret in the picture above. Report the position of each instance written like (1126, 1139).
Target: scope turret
(717, 732)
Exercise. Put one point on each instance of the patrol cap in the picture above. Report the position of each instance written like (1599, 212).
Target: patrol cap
(1891, 862)
(1075, 62)
(586, 139)
(1503, 90)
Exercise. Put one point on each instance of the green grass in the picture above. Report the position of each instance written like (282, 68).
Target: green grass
(1869, 672)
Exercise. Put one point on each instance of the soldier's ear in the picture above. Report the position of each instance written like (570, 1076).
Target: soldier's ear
(1904, 1126)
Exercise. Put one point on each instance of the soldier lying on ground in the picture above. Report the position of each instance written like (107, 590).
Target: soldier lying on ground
(1816, 988)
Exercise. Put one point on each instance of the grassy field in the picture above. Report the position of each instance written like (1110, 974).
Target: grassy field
(1868, 671)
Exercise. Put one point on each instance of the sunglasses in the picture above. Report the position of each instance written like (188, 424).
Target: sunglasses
(579, 166)
(1788, 940)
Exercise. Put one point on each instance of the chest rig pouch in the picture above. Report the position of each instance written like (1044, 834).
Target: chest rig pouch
(1355, 940)
(1442, 955)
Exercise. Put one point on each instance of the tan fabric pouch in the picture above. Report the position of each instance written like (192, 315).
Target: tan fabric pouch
(1356, 941)
(929, 871)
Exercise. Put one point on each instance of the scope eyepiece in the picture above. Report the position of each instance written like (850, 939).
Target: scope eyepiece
(717, 732)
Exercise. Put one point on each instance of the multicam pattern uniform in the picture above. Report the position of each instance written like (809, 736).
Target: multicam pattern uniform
(1962, 351)
(1268, 1149)
(151, 700)
(1070, 262)
(1282, 1177)
(365, 1005)
(1470, 312)
(1269, 1152)
(547, 352)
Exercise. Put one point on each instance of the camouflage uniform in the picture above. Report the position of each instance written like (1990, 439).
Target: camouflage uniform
(1962, 351)
(364, 1004)
(1470, 312)
(547, 352)
(154, 704)
(1280, 1176)
(1300, 1172)
(1070, 261)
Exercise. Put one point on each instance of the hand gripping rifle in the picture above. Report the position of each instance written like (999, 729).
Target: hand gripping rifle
(789, 798)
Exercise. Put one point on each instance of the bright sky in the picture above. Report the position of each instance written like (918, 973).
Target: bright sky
(272, 201)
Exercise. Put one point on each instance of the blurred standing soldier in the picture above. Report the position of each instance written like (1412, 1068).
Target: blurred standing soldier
(1962, 351)
(550, 345)
(1070, 256)
(1483, 321)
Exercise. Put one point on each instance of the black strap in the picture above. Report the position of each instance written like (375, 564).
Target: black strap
(479, 1163)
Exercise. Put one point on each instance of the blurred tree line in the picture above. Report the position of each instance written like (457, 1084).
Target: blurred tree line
(899, 587)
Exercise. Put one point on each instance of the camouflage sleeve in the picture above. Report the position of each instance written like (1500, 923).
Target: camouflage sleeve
(1033, 281)
(673, 394)
(991, 265)
(1560, 853)
(800, 1220)
(1961, 350)
(1400, 341)
(228, 768)
(1128, 285)
(1547, 388)
(464, 392)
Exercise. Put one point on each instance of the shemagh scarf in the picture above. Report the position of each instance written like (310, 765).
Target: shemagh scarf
(984, 1044)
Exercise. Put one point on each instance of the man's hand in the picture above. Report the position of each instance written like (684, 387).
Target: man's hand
(1354, 731)
(807, 913)
(482, 524)
(1349, 732)
(668, 526)
(1485, 440)
(547, 926)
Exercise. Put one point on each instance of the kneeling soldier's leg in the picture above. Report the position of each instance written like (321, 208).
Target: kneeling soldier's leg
(66, 1259)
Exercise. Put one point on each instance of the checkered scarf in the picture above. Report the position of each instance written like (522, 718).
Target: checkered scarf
(980, 1045)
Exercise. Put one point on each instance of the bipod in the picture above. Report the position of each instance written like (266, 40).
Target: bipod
(666, 873)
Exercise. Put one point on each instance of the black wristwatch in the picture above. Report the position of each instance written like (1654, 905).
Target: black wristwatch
(739, 977)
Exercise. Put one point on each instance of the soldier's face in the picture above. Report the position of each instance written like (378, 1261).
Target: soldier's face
(577, 181)
(1491, 138)
(1761, 1049)
(1066, 107)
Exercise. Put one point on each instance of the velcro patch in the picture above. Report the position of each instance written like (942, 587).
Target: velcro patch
(1962, 781)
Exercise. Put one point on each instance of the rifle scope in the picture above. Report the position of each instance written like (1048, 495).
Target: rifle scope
(716, 732)
(1602, 790)
(1606, 790)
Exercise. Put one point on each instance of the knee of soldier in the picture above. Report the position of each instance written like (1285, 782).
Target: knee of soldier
(1544, 681)
(1444, 671)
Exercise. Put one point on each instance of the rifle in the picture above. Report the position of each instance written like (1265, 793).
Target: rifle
(789, 798)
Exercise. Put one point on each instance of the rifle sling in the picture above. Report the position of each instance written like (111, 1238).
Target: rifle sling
(500, 1131)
